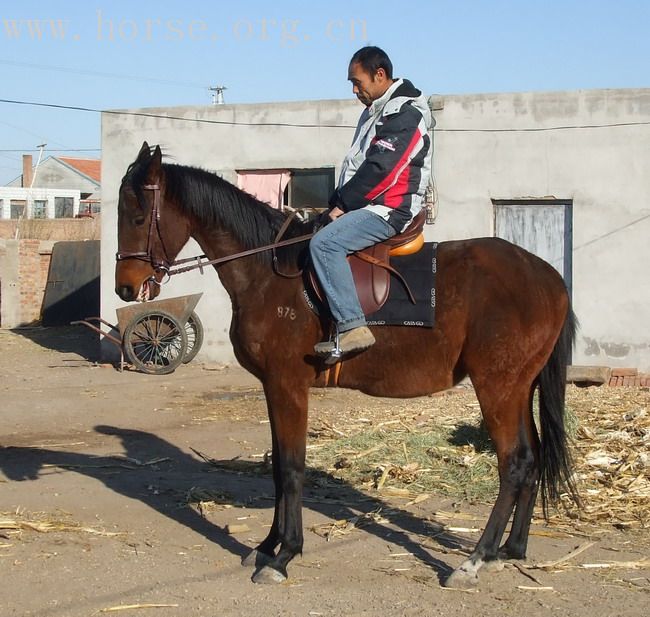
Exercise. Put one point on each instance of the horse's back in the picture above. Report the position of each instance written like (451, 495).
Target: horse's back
(498, 268)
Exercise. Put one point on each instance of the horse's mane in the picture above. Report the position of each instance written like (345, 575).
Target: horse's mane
(215, 202)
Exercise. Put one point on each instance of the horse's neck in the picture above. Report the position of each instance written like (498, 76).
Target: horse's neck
(239, 275)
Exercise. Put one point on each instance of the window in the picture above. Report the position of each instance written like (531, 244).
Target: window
(63, 207)
(39, 209)
(17, 208)
(310, 188)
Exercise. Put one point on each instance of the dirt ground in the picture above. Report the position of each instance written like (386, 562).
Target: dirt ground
(96, 467)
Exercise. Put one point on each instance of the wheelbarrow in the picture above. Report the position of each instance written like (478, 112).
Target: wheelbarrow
(156, 337)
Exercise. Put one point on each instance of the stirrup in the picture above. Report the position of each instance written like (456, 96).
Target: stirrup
(335, 355)
(332, 356)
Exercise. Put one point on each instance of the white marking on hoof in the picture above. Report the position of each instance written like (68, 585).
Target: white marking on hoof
(268, 576)
(465, 576)
(255, 559)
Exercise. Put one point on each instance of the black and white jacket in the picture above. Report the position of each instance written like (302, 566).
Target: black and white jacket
(388, 166)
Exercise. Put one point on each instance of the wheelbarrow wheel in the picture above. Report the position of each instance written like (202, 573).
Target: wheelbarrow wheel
(194, 331)
(155, 343)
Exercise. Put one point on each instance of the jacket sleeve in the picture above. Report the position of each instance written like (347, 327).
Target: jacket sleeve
(396, 141)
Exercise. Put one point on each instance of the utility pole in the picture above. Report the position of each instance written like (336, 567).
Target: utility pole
(217, 94)
(29, 200)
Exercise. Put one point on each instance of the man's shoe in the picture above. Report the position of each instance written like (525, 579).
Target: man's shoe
(357, 339)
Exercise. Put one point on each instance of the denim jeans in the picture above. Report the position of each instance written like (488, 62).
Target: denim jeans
(329, 248)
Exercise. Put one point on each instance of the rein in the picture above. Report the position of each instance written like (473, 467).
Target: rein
(200, 261)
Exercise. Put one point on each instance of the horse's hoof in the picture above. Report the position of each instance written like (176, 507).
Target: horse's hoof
(256, 559)
(462, 579)
(496, 565)
(268, 576)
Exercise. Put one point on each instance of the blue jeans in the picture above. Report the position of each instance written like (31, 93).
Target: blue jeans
(351, 232)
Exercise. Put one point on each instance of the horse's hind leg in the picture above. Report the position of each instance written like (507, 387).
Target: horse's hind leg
(517, 542)
(502, 413)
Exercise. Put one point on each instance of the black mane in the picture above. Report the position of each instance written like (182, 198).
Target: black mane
(214, 202)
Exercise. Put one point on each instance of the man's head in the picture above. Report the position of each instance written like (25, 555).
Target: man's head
(371, 74)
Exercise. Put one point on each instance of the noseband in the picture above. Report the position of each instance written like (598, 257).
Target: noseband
(159, 264)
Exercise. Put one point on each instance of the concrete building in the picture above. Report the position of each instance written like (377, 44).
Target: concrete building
(566, 174)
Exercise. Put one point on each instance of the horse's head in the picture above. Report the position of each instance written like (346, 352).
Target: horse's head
(150, 229)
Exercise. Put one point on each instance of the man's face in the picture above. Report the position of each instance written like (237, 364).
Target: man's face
(366, 87)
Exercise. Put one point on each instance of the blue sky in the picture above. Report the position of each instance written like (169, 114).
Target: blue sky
(112, 55)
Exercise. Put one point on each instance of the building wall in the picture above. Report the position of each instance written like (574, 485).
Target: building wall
(587, 146)
(25, 263)
(29, 196)
(24, 267)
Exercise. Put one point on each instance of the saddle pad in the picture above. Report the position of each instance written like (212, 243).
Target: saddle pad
(419, 271)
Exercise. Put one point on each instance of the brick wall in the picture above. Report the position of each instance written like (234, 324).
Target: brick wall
(629, 377)
(25, 263)
(33, 267)
(24, 267)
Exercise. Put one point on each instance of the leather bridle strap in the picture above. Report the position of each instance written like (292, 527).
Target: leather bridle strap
(200, 261)
(200, 264)
(279, 235)
(154, 228)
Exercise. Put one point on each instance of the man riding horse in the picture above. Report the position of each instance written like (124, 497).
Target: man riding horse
(381, 187)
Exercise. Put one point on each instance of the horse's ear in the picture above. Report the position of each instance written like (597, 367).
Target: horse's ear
(153, 173)
(145, 151)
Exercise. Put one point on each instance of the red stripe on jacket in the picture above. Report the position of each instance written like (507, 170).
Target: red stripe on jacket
(389, 179)
(393, 196)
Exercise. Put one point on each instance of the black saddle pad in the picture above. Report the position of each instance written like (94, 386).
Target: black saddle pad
(419, 271)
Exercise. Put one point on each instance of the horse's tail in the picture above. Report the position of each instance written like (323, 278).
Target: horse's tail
(555, 458)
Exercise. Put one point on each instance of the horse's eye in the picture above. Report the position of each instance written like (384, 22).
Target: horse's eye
(139, 220)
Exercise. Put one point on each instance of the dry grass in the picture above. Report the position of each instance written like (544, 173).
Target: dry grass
(436, 444)
(15, 523)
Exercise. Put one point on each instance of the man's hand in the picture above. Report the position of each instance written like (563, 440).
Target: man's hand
(335, 213)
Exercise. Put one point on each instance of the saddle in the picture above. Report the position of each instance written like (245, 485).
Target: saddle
(371, 267)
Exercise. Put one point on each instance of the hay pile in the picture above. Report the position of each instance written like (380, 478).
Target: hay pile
(612, 455)
(436, 445)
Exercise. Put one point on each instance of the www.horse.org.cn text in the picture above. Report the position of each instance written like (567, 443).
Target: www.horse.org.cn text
(111, 29)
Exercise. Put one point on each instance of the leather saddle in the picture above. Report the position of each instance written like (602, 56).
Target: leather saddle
(371, 267)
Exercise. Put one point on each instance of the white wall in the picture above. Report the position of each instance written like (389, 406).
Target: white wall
(484, 149)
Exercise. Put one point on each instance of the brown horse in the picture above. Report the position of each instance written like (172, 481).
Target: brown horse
(503, 318)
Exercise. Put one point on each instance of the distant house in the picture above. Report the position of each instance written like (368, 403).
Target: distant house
(61, 187)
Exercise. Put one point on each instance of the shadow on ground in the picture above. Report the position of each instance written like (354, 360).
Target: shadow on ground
(161, 476)
(79, 340)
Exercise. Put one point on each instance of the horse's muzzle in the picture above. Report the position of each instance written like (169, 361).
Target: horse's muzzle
(125, 292)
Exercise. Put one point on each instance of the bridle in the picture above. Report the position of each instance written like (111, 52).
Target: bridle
(169, 268)
(159, 264)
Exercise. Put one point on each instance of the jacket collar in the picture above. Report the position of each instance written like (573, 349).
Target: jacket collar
(377, 106)
(399, 88)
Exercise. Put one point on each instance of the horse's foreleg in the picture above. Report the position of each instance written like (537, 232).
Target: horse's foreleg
(287, 407)
(265, 551)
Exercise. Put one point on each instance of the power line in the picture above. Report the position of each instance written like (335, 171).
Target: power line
(319, 126)
(63, 69)
(54, 150)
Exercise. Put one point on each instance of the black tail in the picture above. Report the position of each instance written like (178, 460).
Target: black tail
(556, 462)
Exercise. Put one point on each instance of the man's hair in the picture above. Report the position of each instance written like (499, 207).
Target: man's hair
(372, 59)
